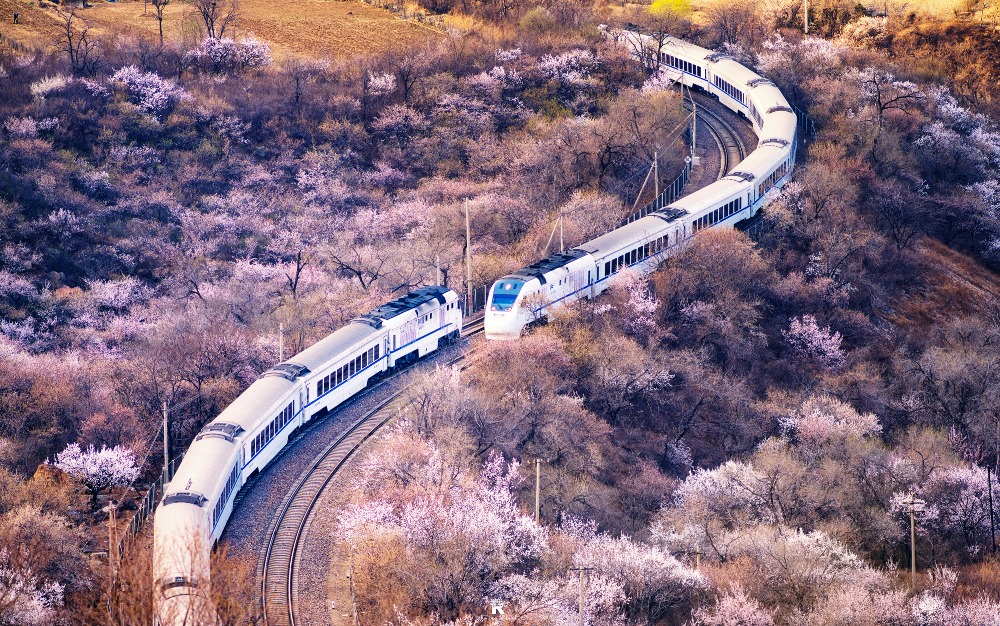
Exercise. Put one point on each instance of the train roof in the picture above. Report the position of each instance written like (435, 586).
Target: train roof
(321, 353)
(626, 236)
(679, 47)
(780, 126)
(261, 398)
(539, 269)
(766, 95)
(761, 162)
(736, 74)
(712, 196)
(397, 307)
(205, 469)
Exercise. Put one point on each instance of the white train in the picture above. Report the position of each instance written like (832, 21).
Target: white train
(525, 297)
(249, 434)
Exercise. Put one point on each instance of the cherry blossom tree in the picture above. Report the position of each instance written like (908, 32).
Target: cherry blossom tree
(733, 608)
(462, 535)
(98, 470)
(639, 310)
(152, 93)
(825, 419)
(814, 343)
(27, 601)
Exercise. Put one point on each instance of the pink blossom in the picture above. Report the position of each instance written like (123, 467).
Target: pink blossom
(381, 84)
(27, 601)
(227, 54)
(152, 93)
(640, 308)
(21, 127)
(823, 419)
(98, 469)
(811, 342)
(733, 608)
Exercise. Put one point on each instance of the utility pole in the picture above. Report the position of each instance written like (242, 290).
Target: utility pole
(166, 446)
(468, 262)
(354, 600)
(989, 496)
(112, 509)
(281, 342)
(694, 125)
(437, 268)
(561, 247)
(697, 557)
(805, 14)
(581, 570)
(656, 173)
(913, 506)
(538, 476)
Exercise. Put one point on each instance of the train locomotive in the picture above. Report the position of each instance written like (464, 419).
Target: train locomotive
(257, 426)
(526, 297)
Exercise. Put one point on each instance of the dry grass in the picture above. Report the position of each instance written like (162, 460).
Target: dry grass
(322, 28)
(952, 284)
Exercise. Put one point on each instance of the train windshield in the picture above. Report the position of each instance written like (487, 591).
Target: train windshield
(504, 294)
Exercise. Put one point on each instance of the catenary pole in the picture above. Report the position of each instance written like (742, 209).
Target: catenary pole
(913, 548)
(656, 173)
(468, 262)
(166, 445)
(538, 476)
(989, 495)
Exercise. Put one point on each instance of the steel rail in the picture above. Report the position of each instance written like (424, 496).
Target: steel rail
(732, 149)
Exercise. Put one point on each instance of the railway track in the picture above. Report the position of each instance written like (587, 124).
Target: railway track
(279, 589)
(732, 148)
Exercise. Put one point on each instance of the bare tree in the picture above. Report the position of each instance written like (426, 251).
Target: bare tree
(737, 22)
(76, 42)
(367, 264)
(659, 27)
(217, 15)
(159, 5)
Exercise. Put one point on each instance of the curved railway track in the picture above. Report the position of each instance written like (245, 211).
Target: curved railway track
(279, 591)
(732, 148)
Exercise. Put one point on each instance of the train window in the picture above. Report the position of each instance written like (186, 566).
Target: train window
(350, 371)
(607, 268)
(357, 364)
(376, 353)
(393, 342)
(364, 360)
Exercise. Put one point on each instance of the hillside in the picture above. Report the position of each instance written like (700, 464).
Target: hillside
(323, 28)
(730, 438)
